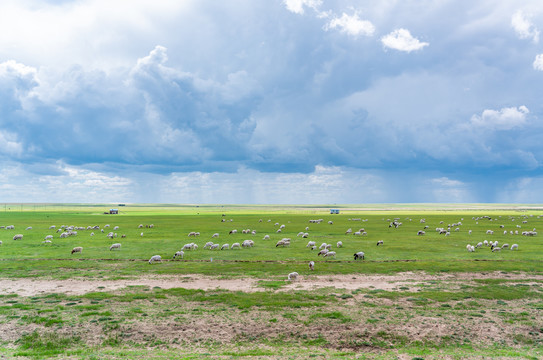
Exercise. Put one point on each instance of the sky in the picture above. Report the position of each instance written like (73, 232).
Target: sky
(271, 101)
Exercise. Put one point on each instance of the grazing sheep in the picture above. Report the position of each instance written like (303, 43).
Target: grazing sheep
(514, 247)
(330, 253)
(140, 226)
(380, 242)
(52, 227)
(328, 247)
(471, 248)
(313, 248)
(115, 246)
(485, 243)
(214, 247)
(18, 237)
(310, 244)
(323, 245)
(225, 247)
(192, 233)
(311, 265)
(0, 242)
(292, 276)
(123, 236)
(479, 244)
(216, 235)
(191, 246)
(78, 249)
(235, 245)
(48, 237)
(305, 235)
(141, 234)
(322, 252)
(349, 230)
(505, 246)
(180, 254)
(359, 255)
(339, 244)
(46, 242)
(29, 228)
(234, 231)
(155, 258)
(489, 232)
(247, 243)
(208, 244)
(283, 242)
(421, 232)
(266, 237)
(496, 249)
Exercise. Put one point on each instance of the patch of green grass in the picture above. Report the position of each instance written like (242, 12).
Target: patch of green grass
(272, 284)
(336, 315)
(47, 344)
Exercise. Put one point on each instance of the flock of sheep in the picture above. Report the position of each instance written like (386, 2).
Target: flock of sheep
(325, 250)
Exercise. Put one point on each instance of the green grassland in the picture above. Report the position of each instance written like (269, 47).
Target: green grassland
(483, 318)
(403, 250)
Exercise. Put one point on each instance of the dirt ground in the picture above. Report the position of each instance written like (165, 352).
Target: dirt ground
(33, 287)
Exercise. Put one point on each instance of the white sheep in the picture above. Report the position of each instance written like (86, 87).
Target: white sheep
(208, 244)
(190, 246)
(48, 237)
(180, 254)
(505, 246)
(310, 244)
(216, 235)
(225, 247)
(235, 246)
(266, 237)
(78, 249)
(313, 247)
(359, 255)
(283, 242)
(18, 237)
(247, 243)
(322, 252)
(29, 228)
(421, 232)
(115, 246)
(214, 247)
(496, 249)
(339, 244)
(46, 242)
(0, 242)
(330, 253)
(323, 245)
(311, 265)
(514, 247)
(292, 276)
(380, 242)
(155, 258)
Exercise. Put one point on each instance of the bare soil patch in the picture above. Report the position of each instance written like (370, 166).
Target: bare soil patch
(32, 287)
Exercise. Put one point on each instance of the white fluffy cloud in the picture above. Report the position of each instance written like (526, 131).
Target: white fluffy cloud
(402, 40)
(504, 119)
(352, 25)
(524, 28)
(538, 62)
(297, 6)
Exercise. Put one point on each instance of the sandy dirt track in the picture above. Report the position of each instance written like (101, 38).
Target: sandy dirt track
(32, 287)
